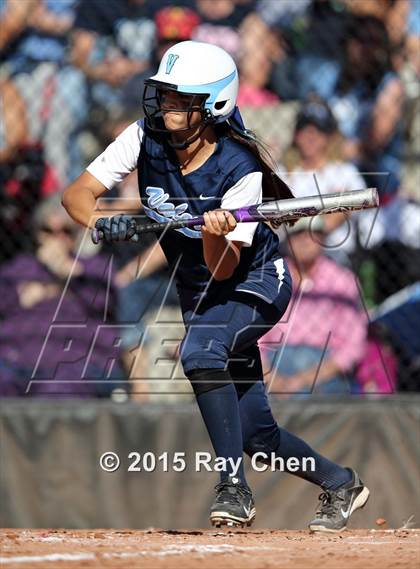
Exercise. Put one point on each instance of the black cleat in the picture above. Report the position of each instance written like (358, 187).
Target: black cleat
(336, 506)
(233, 505)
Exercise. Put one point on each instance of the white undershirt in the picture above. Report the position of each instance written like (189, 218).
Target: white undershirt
(120, 158)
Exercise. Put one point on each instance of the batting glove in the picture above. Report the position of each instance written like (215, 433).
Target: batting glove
(117, 228)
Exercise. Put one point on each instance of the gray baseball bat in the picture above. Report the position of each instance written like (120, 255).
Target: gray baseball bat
(280, 210)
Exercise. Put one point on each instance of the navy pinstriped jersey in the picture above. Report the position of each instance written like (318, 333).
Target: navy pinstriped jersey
(168, 195)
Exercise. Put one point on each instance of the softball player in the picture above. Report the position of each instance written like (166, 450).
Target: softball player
(195, 157)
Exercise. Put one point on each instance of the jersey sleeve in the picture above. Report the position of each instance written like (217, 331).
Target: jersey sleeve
(119, 158)
(247, 191)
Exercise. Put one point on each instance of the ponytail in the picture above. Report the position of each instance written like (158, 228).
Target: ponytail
(273, 187)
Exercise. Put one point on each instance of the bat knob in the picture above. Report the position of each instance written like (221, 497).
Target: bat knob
(96, 236)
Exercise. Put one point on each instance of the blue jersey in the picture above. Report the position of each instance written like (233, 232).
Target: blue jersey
(168, 195)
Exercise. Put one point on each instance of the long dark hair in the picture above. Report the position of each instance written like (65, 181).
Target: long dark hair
(272, 185)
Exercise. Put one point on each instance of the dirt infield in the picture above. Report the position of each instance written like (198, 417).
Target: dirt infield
(207, 549)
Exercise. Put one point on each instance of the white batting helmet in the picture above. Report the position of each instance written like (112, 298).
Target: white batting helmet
(195, 68)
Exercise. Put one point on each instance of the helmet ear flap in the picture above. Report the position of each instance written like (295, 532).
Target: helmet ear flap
(219, 105)
(223, 98)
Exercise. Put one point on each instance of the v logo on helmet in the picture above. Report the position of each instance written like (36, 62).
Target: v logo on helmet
(171, 62)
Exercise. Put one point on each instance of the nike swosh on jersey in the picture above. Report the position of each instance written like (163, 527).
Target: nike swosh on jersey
(230, 178)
